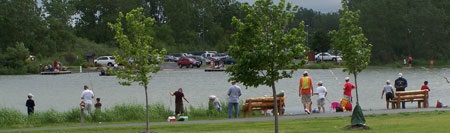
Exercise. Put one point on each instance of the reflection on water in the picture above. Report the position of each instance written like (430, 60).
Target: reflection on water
(62, 92)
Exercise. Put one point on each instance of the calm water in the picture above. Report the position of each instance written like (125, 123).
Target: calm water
(62, 92)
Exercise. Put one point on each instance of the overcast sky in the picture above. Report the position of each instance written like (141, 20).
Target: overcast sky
(323, 6)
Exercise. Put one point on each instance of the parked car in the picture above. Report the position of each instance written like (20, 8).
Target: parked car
(226, 60)
(198, 58)
(327, 57)
(168, 58)
(188, 62)
(176, 56)
(106, 61)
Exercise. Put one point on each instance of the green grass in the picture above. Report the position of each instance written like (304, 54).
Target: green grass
(434, 121)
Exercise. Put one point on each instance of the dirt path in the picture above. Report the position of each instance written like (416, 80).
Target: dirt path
(253, 119)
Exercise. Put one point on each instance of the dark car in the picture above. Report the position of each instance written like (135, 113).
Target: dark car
(226, 60)
(188, 62)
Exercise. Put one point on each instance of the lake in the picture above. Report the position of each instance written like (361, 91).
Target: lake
(62, 92)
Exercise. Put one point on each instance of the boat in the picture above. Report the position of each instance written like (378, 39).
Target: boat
(56, 72)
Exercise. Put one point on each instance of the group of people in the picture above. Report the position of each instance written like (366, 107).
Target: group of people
(306, 91)
(56, 66)
(400, 84)
(87, 97)
(234, 92)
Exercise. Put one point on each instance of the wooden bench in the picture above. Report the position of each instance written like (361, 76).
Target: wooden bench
(419, 96)
(261, 103)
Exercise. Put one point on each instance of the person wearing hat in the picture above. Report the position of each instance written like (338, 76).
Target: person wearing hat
(400, 85)
(321, 91)
(348, 87)
(305, 91)
(388, 89)
(87, 97)
(30, 104)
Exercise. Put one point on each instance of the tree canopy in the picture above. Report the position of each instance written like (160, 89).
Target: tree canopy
(133, 34)
(264, 46)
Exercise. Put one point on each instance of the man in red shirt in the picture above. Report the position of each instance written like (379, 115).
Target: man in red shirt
(348, 87)
(305, 91)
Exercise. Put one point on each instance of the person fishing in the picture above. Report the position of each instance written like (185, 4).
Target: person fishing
(179, 96)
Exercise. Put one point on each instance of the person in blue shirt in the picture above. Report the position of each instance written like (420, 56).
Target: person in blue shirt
(234, 92)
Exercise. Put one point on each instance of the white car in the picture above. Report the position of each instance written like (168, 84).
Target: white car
(106, 61)
(327, 57)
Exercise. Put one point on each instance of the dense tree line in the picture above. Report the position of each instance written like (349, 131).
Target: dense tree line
(402, 28)
(68, 28)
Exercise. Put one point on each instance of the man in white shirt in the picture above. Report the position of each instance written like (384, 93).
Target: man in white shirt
(321, 91)
(87, 96)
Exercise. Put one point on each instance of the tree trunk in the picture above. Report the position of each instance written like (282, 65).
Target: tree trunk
(356, 87)
(146, 110)
(275, 106)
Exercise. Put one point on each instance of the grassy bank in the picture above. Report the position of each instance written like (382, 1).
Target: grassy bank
(12, 119)
(434, 121)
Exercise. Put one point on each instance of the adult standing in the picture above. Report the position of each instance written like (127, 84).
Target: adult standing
(321, 91)
(179, 96)
(87, 96)
(305, 91)
(348, 87)
(234, 92)
(389, 91)
(400, 85)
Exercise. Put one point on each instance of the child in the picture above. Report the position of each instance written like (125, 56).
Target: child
(321, 91)
(30, 104)
(98, 105)
(425, 87)
(389, 93)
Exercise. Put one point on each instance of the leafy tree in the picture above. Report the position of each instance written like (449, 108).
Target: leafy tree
(134, 39)
(21, 22)
(321, 41)
(265, 47)
(14, 58)
(352, 43)
(95, 14)
(59, 13)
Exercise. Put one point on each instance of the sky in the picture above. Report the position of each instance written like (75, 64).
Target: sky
(324, 6)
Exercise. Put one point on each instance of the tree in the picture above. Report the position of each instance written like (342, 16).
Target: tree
(321, 41)
(352, 43)
(14, 58)
(134, 39)
(265, 47)
(21, 22)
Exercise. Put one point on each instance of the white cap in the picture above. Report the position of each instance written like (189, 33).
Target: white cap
(388, 81)
(320, 82)
(30, 95)
(212, 97)
(347, 78)
(400, 74)
(305, 72)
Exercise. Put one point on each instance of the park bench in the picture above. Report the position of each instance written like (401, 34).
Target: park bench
(262, 103)
(419, 96)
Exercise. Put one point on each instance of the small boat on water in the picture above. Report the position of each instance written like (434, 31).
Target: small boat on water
(56, 72)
